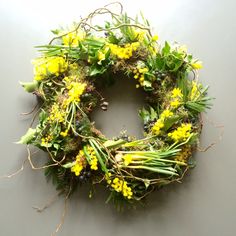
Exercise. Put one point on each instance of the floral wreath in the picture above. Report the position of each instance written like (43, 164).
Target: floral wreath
(67, 77)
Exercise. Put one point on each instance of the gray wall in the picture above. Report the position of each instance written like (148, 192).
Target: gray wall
(203, 205)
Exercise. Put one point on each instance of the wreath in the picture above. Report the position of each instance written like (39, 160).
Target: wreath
(68, 77)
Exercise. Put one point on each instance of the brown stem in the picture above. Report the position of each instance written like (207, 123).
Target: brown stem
(30, 112)
(220, 136)
(41, 167)
(48, 204)
(16, 172)
(62, 215)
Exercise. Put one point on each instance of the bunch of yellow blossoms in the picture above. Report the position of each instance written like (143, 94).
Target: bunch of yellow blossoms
(75, 90)
(181, 133)
(78, 164)
(177, 97)
(160, 122)
(48, 65)
(139, 74)
(120, 185)
(73, 38)
(139, 34)
(46, 140)
(56, 114)
(124, 52)
(81, 161)
(93, 158)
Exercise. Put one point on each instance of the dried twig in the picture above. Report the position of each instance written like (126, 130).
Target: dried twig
(42, 167)
(16, 172)
(220, 136)
(49, 203)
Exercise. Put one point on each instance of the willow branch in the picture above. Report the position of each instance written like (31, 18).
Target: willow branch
(16, 172)
(41, 167)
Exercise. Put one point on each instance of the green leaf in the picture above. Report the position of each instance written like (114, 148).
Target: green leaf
(170, 121)
(68, 165)
(166, 49)
(113, 144)
(144, 114)
(28, 137)
(42, 117)
(153, 114)
(56, 31)
(147, 84)
(56, 146)
(160, 170)
(95, 70)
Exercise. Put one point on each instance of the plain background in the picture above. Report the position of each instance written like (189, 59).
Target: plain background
(204, 205)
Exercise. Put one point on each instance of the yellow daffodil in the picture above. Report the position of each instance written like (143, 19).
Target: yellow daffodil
(181, 133)
(157, 126)
(166, 114)
(197, 65)
(176, 93)
(127, 159)
(73, 38)
(155, 37)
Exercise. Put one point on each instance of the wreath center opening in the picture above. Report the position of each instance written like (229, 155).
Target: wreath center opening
(124, 102)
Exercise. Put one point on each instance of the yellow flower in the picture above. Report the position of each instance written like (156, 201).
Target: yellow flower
(175, 103)
(101, 57)
(157, 126)
(79, 163)
(139, 73)
(195, 91)
(48, 65)
(181, 133)
(56, 114)
(45, 140)
(139, 34)
(197, 65)
(64, 133)
(73, 38)
(93, 158)
(176, 93)
(76, 89)
(127, 159)
(94, 163)
(123, 52)
(120, 185)
(166, 114)
(155, 37)
(77, 168)
(108, 177)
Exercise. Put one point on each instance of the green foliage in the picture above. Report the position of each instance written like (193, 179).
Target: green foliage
(62, 178)
(148, 115)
